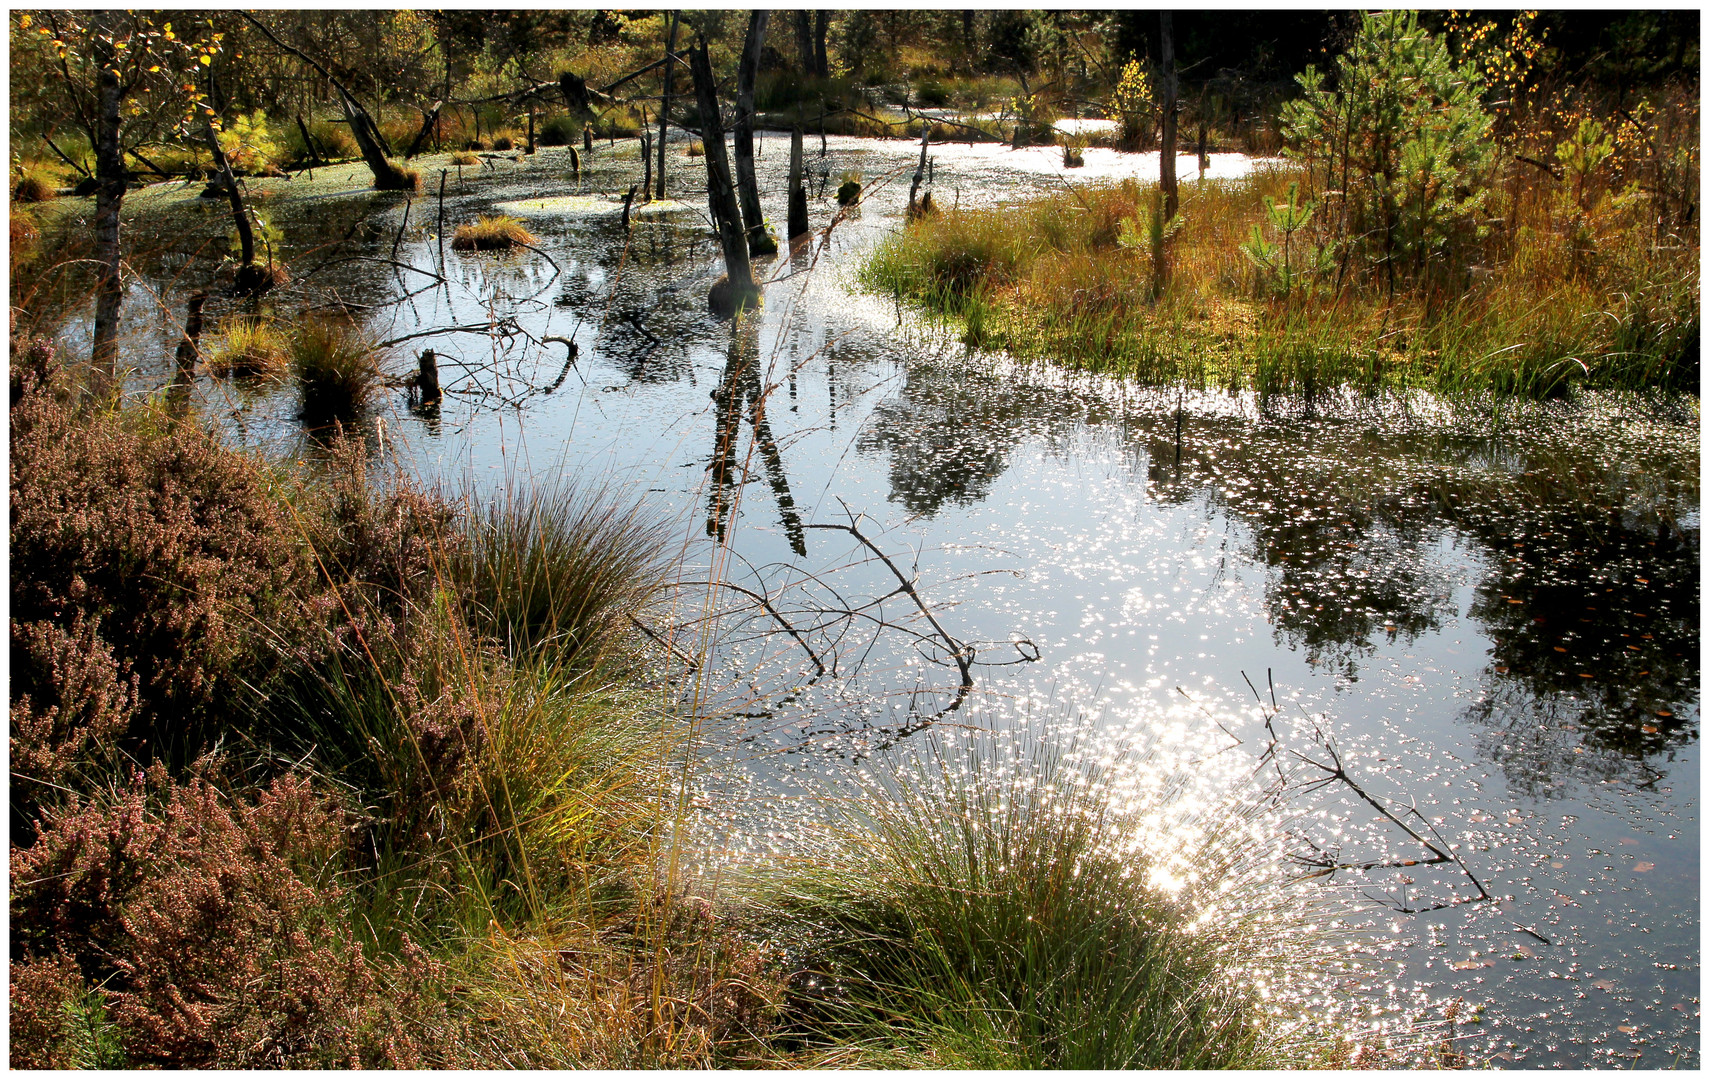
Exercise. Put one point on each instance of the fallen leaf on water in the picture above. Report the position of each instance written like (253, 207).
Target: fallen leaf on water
(1524, 950)
(1604, 984)
(1648, 729)
(1626, 1029)
(1468, 965)
(1644, 867)
(1628, 840)
(1664, 712)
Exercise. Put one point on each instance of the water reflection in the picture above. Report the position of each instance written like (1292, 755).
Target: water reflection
(1585, 580)
(740, 394)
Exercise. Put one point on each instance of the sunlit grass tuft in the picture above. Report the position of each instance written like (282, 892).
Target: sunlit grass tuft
(250, 347)
(499, 233)
(999, 914)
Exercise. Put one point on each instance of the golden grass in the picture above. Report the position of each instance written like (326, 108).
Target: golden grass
(500, 233)
(250, 347)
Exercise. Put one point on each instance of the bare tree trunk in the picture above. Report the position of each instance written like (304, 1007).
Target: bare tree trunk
(665, 99)
(747, 187)
(738, 290)
(798, 193)
(109, 197)
(246, 235)
(804, 40)
(821, 21)
(1167, 159)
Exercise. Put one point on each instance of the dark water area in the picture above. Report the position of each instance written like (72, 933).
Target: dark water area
(1493, 614)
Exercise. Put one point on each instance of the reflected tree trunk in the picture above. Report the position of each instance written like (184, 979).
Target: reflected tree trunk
(740, 392)
(109, 198)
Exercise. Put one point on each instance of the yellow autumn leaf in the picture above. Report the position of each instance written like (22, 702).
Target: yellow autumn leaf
(207, 61)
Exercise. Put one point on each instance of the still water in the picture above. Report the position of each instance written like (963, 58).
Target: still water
(1494, 619)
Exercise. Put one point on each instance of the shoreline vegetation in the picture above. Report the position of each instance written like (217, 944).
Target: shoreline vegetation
(1419, 244)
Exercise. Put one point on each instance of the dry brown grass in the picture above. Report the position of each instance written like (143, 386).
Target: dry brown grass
(500, 233)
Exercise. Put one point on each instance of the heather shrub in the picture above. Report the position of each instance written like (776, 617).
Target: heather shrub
(70, 695)
(179, 549)
(214, 928)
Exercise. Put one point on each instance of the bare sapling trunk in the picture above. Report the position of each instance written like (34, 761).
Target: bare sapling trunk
(737, 290)
(759, 241)
(665, 100)
(109, 198)
(251, 280)
(1167, 159)
(646, 159)
(798, 193)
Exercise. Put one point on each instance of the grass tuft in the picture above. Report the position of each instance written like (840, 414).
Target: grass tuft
(337, 368)
(33, 188)
(1001, 916)
(499, 233)
(249, 348)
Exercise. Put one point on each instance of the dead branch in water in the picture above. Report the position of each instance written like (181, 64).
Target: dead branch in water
(1324, 863)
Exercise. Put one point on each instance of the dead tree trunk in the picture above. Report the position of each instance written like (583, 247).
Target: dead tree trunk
(747, 187)
(803, 21)
(798, 193)
(919, 170)
(665, 99)
(646, 159)
(375, 153)
(248, 278)
(821, 22)
(1167, 159)
(737, 290)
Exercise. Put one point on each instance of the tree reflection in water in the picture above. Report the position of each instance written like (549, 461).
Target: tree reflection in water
(1589, 594)
(740, 393)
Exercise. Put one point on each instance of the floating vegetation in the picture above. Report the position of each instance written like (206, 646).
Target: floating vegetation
(571, 205)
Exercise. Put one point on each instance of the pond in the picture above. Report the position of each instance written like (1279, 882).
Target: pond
(1492, 616)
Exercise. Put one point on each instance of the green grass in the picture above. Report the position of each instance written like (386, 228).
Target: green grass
(1052, 278)
(559, 571)
(250, 347)
(337, 369)
(998, 914)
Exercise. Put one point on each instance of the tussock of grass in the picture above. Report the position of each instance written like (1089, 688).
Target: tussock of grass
(695, 149)
(499, 233)
(557, 571)
(337, 368)
(1001, 917)
(33, 188)
(465, 157)
(250, 347)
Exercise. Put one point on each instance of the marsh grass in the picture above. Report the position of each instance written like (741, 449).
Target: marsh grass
(1050, 277)
(999, 914)
(558, 571)
(465, 157)
(249, 347)
(337, 367)
(497, 233)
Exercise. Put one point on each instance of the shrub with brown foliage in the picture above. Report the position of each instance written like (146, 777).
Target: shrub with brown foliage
(180, 549)
(214, 930)
(68, 692)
